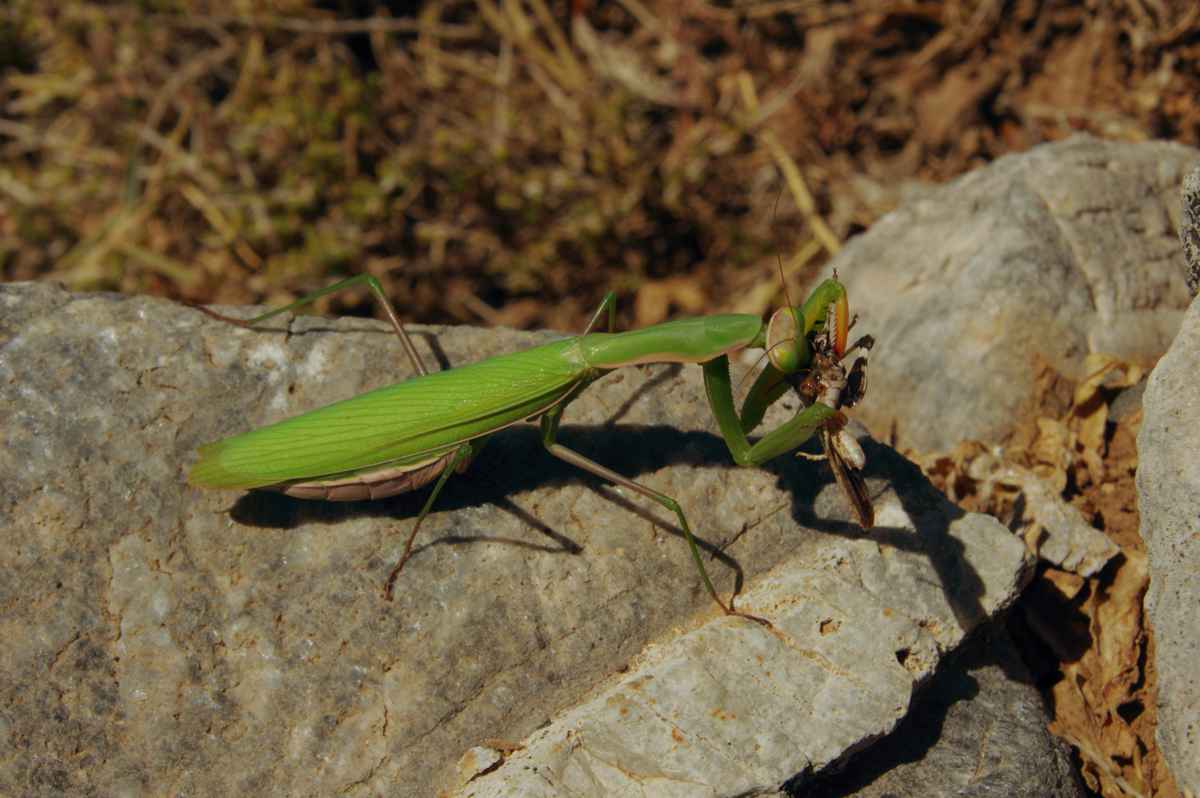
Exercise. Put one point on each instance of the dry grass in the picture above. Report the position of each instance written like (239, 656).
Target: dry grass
(508, 162)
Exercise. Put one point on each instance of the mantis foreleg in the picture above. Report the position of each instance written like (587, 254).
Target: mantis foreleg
(781, 440)
(768, 387)
(788, 351)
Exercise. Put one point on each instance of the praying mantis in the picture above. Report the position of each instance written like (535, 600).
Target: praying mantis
(402, 437)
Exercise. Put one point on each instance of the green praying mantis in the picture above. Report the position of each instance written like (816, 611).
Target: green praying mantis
(402, 437)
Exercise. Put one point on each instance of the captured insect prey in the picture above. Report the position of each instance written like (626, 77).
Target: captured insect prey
(829, 382)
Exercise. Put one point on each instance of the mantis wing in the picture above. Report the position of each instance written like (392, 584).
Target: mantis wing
(409, 422)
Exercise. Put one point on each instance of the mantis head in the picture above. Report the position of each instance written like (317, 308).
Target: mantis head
(791, 330)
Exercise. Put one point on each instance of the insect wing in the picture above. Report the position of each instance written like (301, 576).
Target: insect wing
(408, 422)
(848, 474)
(856, 383)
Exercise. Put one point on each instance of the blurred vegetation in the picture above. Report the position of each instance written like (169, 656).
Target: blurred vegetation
(507, 161)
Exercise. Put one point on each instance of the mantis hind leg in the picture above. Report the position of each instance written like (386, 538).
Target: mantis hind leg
(361, 279)
(550, 424)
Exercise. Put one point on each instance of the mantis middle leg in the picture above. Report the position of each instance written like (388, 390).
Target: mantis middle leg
(550, 425)
(465, 453)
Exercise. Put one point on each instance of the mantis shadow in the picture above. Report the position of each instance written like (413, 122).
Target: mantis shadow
(516, 462)
(933, 515)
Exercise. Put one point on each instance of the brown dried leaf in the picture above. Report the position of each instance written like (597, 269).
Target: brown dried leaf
(1104, 704)
(1089, 412)
(1051, 453)
(1091, 700)
(956, 473)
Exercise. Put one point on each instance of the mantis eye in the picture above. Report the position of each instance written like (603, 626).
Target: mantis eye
(786, 345)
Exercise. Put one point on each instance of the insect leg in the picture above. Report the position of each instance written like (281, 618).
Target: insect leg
(550, 424)
(462, 458)
(609, 303)
(370, 281)
(782, 439)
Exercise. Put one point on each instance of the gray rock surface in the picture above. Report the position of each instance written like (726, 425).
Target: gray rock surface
(161, 639)
(1066, 540)
(736, 709)
(978, 729)
(1066, 249)
(1168, 480)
